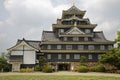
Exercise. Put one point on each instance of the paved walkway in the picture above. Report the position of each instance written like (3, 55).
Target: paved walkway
(62, 73)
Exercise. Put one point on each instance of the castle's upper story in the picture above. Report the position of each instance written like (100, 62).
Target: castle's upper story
(73, 27)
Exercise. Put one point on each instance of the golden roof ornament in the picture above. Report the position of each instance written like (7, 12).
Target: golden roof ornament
(74, 16)
(73, 4)
(75, 24)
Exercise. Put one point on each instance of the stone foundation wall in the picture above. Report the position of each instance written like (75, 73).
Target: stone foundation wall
(73, 65)
(77, 64)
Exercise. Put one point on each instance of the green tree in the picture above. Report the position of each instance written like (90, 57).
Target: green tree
(4, 65)
(112, 58)
(42, 61)
(83, 60)
(118, 39)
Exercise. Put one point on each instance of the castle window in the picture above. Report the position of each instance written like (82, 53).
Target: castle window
(58, 22)
(48, 56)
(75, 39)
(58, 46)
(99, 56)
(61, 30)
(109, 47)
(102, 47)
(49, 47)
(59, 56)
(65, 38)
(87, 30)
(67, 56)
(80, 47)
(76, 56)
(68, 47)
(91, 47)
(86, 38)
(90, 56)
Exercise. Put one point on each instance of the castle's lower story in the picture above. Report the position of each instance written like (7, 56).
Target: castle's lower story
(26, 53)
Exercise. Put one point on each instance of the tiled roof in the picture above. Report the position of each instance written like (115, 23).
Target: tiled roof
(75, 18)
(73, 8)
(49, 36)
(35, 44)
(99, 37)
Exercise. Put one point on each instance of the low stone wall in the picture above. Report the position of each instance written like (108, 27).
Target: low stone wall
(75, 65)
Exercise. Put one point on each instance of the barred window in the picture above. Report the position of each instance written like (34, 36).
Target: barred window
(109, 47)
(48, 56)
(59, 56)
(76, 56)
(86, 38)
(91, 47)
(80, 47)
(58, 22)
(61, 30)
(67, 56)
(102, 47)
(90, 56)
(58, 46)
(99, 56)
(87, 31)
(65, 38)
(75, 39)
(68, 47)
(49, 47)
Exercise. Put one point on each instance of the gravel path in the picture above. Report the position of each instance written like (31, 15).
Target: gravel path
(63, 73)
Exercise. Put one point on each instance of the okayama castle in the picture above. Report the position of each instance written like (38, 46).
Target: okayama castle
(73, 36)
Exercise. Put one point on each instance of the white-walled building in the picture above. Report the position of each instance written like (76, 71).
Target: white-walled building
(23, 54)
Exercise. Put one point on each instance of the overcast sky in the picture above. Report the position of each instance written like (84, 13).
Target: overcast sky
(28, 18)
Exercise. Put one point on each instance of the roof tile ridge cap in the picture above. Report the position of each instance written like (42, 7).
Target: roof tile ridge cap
(46, 31)
(98, 31)
(32, 40)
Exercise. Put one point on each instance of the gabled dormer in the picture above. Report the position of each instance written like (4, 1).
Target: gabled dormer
(74, 30)
(73, 11)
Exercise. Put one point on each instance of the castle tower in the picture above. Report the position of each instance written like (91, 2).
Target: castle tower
(73, 36)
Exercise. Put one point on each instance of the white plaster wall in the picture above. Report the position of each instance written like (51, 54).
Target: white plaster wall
(16, 67)
(27, 48)
(20, 47)
(17, 53)
(29, 57)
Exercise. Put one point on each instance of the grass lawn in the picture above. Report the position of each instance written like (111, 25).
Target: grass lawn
(55, 77)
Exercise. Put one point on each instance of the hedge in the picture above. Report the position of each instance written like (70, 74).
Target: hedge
(82, 69)
(98, 68)
(47, 69)
(26, 70)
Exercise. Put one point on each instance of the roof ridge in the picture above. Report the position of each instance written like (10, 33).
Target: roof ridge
(48, 31)
(97, 31)
(30, 40)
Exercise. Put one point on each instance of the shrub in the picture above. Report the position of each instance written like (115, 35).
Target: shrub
(26, 70)
(29, 70)
(38, 68)
(99, 68)
(23, 70)
(82, 69)
(47, 69)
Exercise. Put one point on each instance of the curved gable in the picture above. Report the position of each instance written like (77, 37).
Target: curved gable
(22, 45)
(75, 30)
